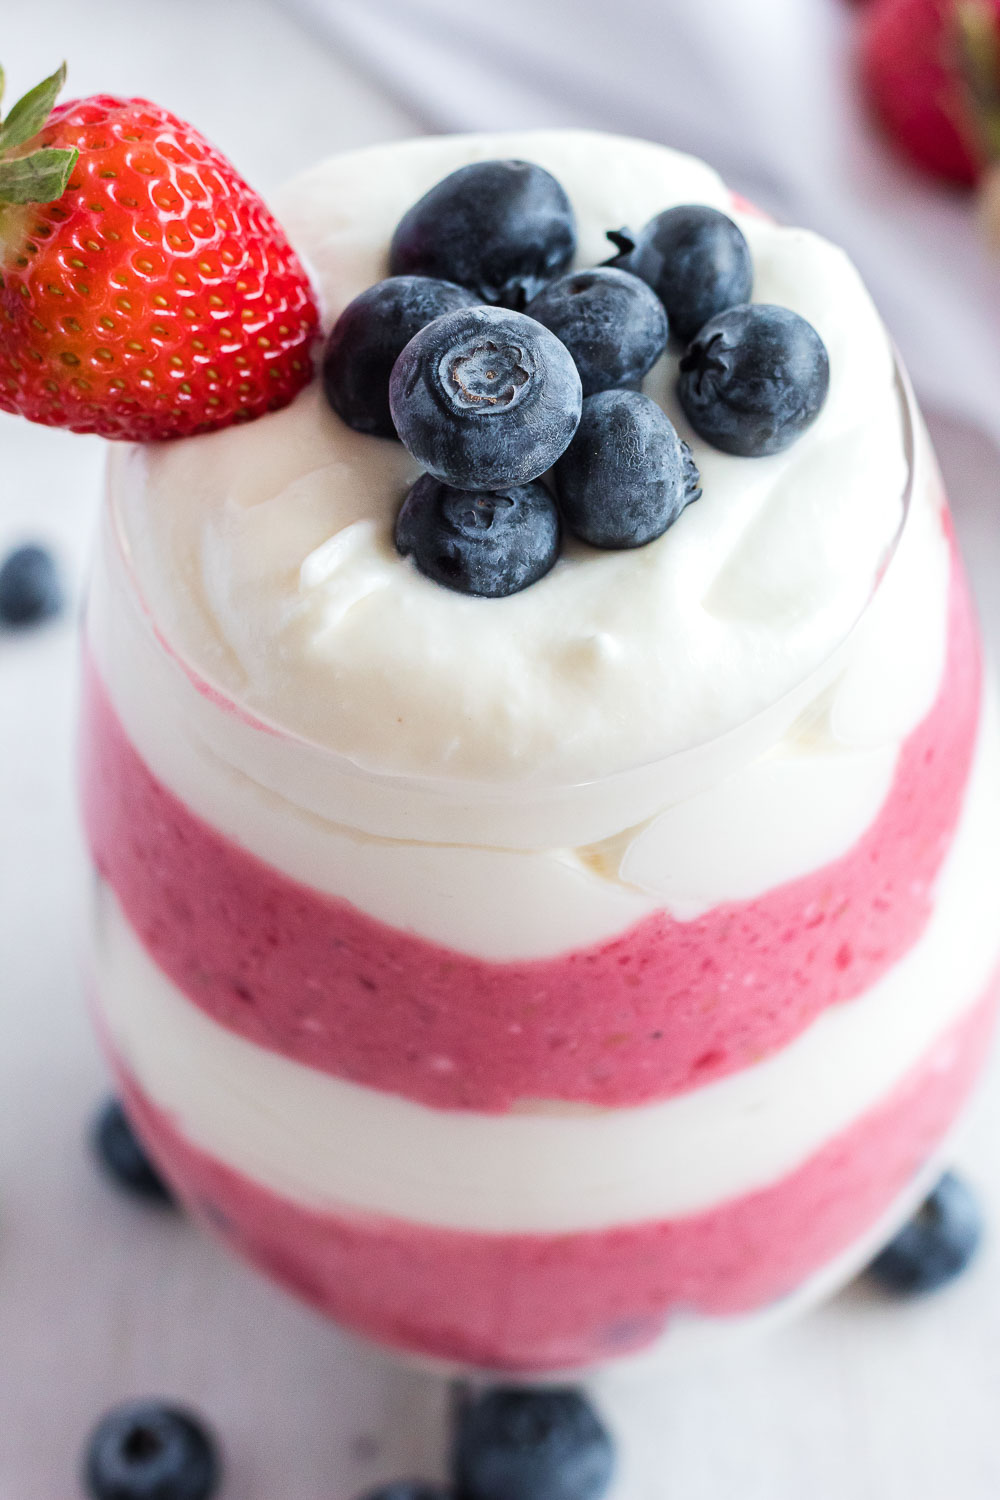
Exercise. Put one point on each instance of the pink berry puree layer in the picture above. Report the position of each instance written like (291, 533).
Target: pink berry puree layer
(662, 1008)
(542, 1302)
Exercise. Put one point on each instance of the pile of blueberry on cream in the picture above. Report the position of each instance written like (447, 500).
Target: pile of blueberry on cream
(515, 381)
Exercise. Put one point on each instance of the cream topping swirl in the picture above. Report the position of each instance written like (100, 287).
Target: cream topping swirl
(265, 552)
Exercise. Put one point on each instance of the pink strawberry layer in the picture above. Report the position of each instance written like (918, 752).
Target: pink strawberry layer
(665, 1006)
(534, 1302)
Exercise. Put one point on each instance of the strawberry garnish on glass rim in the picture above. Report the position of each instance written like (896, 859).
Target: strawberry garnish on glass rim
(145, 289)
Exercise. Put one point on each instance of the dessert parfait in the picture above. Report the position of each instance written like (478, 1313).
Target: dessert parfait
(541, 787)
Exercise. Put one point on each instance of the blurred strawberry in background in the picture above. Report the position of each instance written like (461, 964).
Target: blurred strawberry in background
(931, 69)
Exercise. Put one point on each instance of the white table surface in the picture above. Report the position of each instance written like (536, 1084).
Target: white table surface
(101, 1299)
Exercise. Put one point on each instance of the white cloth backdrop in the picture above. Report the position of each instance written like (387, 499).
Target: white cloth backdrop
(764, 89)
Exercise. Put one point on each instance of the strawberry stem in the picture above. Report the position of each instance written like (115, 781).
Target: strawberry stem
(38, 176)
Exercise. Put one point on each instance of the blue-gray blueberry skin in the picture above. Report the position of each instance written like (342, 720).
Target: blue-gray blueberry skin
(698, 263)
(484, 398)
(546, 1444)
(146, 1450)
(627, 474)
(123, 1157)
(30, 587)
(491, 545)
(754, 379)
(936, 1245)
(409, 1489)
(369, 337)
(501, 228)
(613, 325)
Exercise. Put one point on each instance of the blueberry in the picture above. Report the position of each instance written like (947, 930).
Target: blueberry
(612, 323)
(627, 474)
(754, 379)
(369, 337)
(30, 589)
(544, 1444)
(146, 1450)
(487, 543)
(502, 228)
(408, 1489)
(120, 1153)
(484, 398)
(697, 262)
(936, 1245)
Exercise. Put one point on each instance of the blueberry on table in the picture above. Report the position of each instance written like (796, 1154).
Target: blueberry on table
(754, 379)
(612, 323)
(146, 1450)
(697, 262)
(30, 590)
(501, 228)
(487, 543)
(123, 1158)
(484, 398)
(545, 1444)
(369, 337)
(627, 474)
(936, 1245)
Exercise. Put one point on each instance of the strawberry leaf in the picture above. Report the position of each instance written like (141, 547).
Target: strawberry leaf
(30, 113)
(979, 68)
(38, 178)
(3, 80)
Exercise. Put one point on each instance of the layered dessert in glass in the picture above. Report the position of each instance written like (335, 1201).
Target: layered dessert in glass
(542, 981)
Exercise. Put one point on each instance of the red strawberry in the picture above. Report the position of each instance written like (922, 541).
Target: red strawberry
(932, 71)
(145, 290)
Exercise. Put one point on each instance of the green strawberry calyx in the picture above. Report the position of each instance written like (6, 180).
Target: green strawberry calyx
(978, 39)
(26, 175)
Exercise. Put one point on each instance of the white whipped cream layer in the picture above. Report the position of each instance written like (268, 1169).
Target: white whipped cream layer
(265, 552)
(527, 875)
(249, 539)
(335, 1145)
